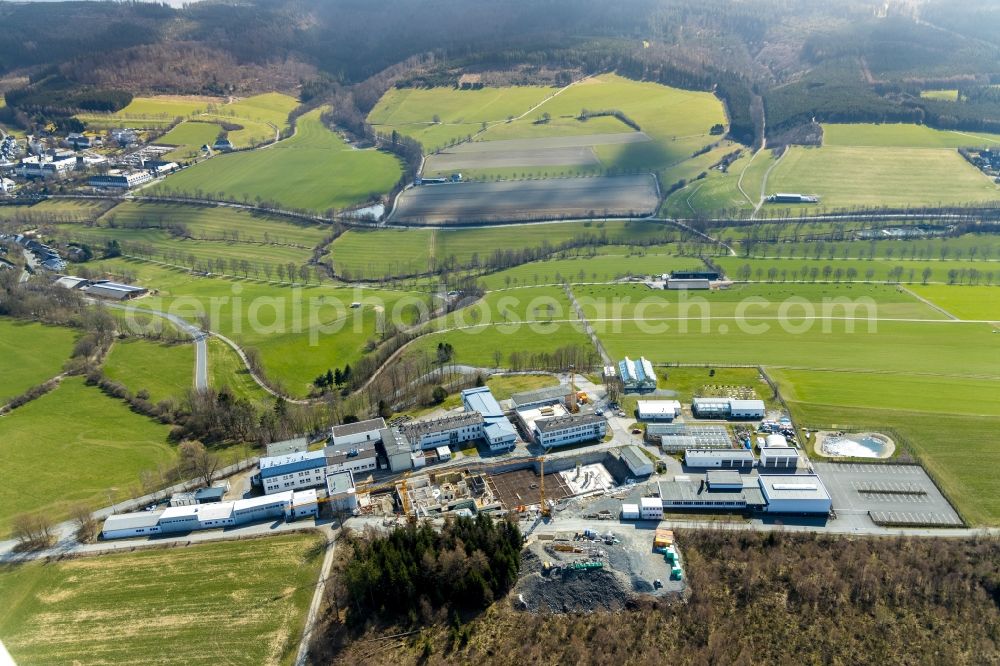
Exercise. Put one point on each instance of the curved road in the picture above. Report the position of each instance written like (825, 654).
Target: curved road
(198, 336)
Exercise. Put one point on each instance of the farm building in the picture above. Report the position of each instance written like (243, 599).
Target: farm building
(657, 410)
(497, 430)
(630, 512)
(341, 493)
(114, 290)
(447, 431)
(637, 461)
(356, 433)
(724, 458)
(637, 375)
(727, 408)
(542, 396)
(795, 494)
(123, 180)
(187, 518)
(695, 275)
(785, 197)
(688, 283)
(779, 457)
(650, 508)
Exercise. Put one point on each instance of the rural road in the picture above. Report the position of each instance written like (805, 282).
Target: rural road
(317, 601)
(197, 335)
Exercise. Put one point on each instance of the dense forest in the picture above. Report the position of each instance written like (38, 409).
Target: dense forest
(755, 598)
(848, 60)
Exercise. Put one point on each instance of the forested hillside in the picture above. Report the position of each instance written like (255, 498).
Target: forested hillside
(848, 60)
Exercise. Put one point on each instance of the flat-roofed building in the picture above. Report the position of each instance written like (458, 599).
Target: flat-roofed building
(358, 458)
(688, 494)
(795, 494)
(341, 493)
(543, 396)
(779, 457)
(724, 480)
(688, 283)
(650, 508)
(727, 408)
(724, 458)
(293, 471)
(397, 449)
(569, 429)
(304, 503)
(657, 410)
(356, 433)
(294, 445)
(124, 525)
(448, 431)
(746, 409)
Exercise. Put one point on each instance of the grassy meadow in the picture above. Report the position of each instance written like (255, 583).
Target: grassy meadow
(882, 270)
(165, 371)
(32, 353)
(238, 602)
(314, 170)
(95, 446)
(189, 136)
(225, 369)
(964, 302)
(902, 136)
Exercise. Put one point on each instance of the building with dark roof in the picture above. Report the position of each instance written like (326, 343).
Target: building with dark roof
(448, 431)
(569, 429)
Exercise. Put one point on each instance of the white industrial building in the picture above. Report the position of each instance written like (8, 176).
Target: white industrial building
(560, 393)
(293, 471)
(288, 505)
(779, 457)
(397, 449)
(448, 431)
(568, 429)
(356, 458)
(650, 508)
(727, 408)
(636, 461)
(294, 445)
(122, 180)
(724, 480)
(722, 458)
(356, 433)
(630, 512)
(341, 493)
(795, 494)
(657, 410)
(683, 493)
(113, 290)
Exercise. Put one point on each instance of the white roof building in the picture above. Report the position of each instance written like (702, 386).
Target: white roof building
(795, 494)
(657, 410)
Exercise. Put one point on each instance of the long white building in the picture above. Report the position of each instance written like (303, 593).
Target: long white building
(288, 505)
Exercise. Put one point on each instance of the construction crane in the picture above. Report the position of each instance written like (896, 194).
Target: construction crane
(541, 488)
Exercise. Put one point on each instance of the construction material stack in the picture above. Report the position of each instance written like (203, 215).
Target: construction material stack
(662, 540)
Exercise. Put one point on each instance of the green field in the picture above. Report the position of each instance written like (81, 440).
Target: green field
(850, 176)
(676, 121)
(55, 210)
(973, 247)
(943, 95)
(599, 268)
(902, 136)
(189, 136)
(963, 301)
(95, 446)
(32, 354)
(300, 332)
(225, 369)
(801, 269)
(290, 172)
(361, 253)
(165, 371)
(411, 111)
(239, 602)
(753, 301)
(476, 345)
(947, 421)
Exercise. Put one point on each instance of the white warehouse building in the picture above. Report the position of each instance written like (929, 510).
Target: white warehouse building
(795, 494)
(637, 461)
(288, 505)
(722, 458)
(657, 410)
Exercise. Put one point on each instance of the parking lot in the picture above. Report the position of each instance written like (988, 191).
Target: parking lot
(889, 495)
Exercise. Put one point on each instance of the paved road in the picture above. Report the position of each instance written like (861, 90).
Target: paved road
(197, 335)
